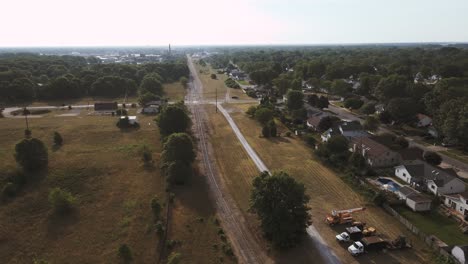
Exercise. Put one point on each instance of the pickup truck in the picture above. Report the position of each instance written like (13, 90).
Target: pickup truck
(352, 233)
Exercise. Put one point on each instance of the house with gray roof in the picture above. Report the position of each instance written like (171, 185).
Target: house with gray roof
(425, 177)
(375, 154)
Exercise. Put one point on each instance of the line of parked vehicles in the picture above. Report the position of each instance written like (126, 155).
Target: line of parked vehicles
(364, 239)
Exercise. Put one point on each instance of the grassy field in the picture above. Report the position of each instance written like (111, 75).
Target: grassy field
(437, 224)
(174, 91)
(102, 167)
(210, 85)
(326, 189)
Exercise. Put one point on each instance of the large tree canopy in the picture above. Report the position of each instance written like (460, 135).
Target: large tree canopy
(295, 100)
(173, 119)
(31, 154)
(281, 204)
(178, 148)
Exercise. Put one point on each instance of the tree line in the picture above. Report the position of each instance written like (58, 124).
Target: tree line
(27, 77)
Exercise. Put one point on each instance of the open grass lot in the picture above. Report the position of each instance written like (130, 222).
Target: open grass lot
(174, 91)
(102, 167)
(434, 223)
(237, 171)
(210, 85)
(327, 192)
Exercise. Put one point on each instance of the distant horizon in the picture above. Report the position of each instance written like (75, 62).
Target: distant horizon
(242, 45)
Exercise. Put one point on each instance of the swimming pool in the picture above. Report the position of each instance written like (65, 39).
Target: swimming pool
(388, 184)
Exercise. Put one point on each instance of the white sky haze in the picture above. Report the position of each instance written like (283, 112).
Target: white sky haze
(217, 22)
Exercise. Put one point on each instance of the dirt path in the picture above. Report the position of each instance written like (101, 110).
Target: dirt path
(244, 244)
(327, 254)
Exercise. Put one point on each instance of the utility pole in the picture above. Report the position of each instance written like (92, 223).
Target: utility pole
(216, 89)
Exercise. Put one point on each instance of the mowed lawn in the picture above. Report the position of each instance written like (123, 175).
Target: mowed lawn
(102, 167)
(327, 192)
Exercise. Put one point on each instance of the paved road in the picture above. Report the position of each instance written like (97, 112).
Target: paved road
(244, 244)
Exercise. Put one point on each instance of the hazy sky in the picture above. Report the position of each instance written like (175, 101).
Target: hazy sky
(186, 22)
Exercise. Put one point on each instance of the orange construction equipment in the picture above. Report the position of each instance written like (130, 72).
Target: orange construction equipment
(342, 216)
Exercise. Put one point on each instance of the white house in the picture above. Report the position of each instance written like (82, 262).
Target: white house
(461, 253)
(423, 176)
(414, 200)
(423, 120)
(458, 203)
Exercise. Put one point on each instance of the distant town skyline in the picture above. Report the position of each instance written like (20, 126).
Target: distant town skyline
(29, 23)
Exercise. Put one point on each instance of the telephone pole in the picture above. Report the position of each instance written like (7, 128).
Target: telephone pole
(216, 100)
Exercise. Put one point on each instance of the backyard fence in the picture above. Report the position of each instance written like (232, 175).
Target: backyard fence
(432, 241)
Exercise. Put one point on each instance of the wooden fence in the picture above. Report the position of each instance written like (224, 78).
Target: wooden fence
(432, 241)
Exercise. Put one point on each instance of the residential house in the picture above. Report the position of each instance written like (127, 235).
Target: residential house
(105, 106)
(314, 120)
(346, 129)
(375, 154)
(414, 200)
(425, 177)
(458, 203)
(460, 253)
(352, 129)
(423, 120)
(237, 75)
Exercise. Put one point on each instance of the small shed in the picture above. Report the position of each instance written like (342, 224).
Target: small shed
(418, 202)
(461, 253)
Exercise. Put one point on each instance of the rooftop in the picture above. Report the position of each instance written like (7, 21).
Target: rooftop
(372, 147)
(351, 126)
(422, 170)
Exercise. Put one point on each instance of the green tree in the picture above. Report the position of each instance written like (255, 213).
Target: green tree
(402, 109)
(178, 172)
(272, 127)
(322, 102)
(432, 158)
(184, 81)
(146, 97)
(281, 204)
(58, 140)
(371, 124)
(31, 154)
(295, 100)
(61, 200)
(391, 87)
(125, 253)
(152, 83)
(173, 119)
(368, 108)
(327, 122)
(310, 140)
(251, 111)
(263, 115)
(353, 103)
(178, 147)
(213, 76)
(340, 87)
(357, 161)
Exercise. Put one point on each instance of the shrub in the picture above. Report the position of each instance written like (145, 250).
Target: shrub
(251, 111)
(432, 158)
(368, 108)
(61, 200)
(125, 253)
(10, 189)
(147, 156)
(58, 140)
(288, 134)
(266, 131)
(156, 208)
(231, 83)
(174, 258)
(213, 76)
(379, 198)
(160, 228)
(31, 154)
